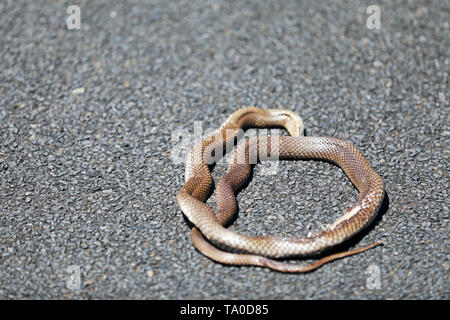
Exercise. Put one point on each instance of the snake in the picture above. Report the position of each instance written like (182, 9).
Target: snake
(210, 234)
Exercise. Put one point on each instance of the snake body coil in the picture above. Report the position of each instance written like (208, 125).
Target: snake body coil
(260, 250)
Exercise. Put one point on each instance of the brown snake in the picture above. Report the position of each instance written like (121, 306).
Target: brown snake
(260, 250)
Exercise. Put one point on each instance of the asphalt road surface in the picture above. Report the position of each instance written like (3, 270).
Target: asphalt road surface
(90, 145)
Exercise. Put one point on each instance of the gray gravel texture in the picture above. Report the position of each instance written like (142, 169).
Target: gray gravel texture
(87, 173)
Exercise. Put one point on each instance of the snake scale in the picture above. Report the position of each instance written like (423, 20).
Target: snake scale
(209, 234)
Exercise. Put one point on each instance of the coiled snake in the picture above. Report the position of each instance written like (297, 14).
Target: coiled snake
(261, 250)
